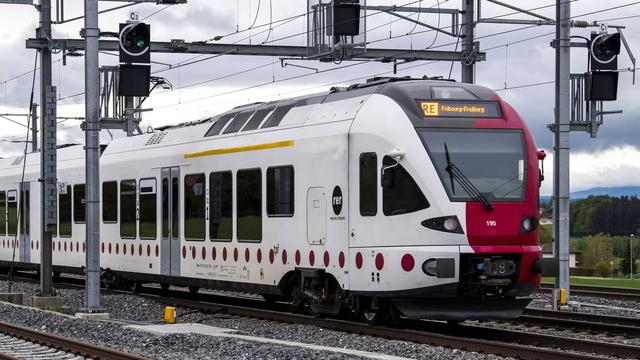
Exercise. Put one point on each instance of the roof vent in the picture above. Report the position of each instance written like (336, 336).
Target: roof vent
(156, 138)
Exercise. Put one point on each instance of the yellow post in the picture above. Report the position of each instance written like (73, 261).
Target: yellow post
(170, 315)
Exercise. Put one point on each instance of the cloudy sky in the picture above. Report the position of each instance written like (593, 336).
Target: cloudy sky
(517, 56)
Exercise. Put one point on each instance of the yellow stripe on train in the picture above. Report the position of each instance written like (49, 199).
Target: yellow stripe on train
(272, 145)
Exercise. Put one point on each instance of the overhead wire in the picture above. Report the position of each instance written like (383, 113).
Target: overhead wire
(356, 64)
(324, 71)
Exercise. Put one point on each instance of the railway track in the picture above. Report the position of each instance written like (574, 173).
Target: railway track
(470, 337)
(17, 342)
(592, 323)
(600, 291)
(504, 342)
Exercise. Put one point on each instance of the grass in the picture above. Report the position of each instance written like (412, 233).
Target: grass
(621, 283)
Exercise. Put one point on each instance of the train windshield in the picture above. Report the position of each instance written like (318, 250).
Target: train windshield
(472, 162)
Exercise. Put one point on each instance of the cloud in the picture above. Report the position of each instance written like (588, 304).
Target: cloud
(613, 166)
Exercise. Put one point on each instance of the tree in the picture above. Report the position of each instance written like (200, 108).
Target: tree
(597, 248)
(624, 264)
(603, 268)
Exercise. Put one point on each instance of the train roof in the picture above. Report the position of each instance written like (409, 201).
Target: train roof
(267, 116)
(277, 114)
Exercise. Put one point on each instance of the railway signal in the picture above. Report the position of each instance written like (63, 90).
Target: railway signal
(346, 17)
(604, 51)
(134, 41)
(602, 78)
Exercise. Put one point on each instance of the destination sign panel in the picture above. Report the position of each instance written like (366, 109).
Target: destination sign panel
(466, 109)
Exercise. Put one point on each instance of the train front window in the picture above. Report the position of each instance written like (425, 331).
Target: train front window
(492, 160)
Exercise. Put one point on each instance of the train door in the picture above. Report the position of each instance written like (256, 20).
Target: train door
(317, 215)
(25, 223)
(170, 244)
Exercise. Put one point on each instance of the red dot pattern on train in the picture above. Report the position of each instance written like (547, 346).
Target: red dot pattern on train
(407, 262)
(379, 261)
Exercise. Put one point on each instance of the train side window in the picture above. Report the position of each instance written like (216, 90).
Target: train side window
(249, 205)
(277, 116)
(79, 204)
(400, 193)
(148, 201)
(280, 190)
(12, 212)
(3, 213)
(194, 207)
(220, 206)
(128, 209)
(64, 214)
(368, 184)
(257, 118)
(110, 202)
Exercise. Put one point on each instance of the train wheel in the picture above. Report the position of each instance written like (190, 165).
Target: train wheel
(165, 286)
(194, 289)
(137, 287)
(296, 299)
(371, 310)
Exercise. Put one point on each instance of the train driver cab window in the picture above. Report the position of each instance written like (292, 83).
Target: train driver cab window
(148, 200)
(280, 191)
(128, 209)
(64, 208)
(78, 204)
(220, 206)
(368, 184)
(194, 207)
(400, 193)
(110, 202)
(249, 205)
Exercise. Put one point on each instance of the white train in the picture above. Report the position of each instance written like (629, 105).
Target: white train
(413, 197)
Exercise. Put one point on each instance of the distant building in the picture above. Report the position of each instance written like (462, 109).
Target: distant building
(547, 252)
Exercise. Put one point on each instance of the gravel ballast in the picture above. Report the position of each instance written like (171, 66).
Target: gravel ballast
(126, 309)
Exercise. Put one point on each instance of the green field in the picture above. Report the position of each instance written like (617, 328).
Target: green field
(622, 283)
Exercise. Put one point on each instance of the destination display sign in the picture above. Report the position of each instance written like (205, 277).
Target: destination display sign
(466, 109)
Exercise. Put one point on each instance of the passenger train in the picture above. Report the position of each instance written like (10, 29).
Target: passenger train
(412, 197)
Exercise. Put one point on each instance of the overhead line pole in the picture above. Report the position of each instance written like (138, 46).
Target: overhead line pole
(468, 74)
(48, 166)
(561, 143)
(92, 157)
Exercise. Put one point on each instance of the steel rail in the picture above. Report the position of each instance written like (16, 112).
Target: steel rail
(65, 344)
(591, 323)
(517, 344)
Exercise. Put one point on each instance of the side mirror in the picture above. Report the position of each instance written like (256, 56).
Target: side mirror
(386, 176)
(541, 156)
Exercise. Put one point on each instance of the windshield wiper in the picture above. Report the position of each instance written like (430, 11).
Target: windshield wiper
(467, 185)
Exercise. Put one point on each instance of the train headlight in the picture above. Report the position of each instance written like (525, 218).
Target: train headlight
(444, 223)
(451, 224)
(528, 224)
(430, 267)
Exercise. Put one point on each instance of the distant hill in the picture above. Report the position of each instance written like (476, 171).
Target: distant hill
(611, 191)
